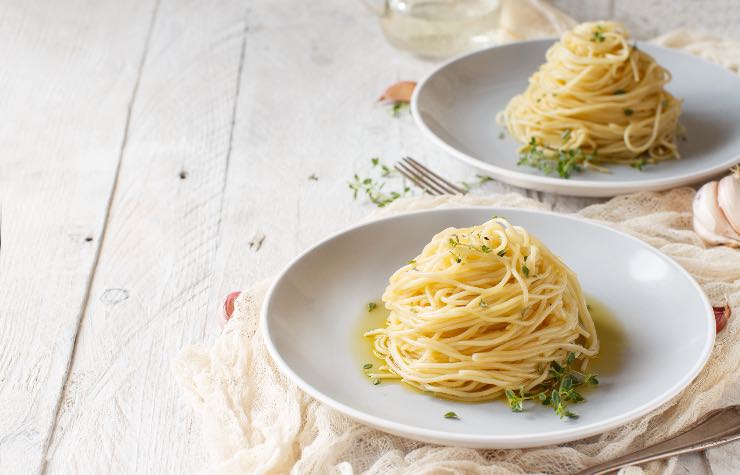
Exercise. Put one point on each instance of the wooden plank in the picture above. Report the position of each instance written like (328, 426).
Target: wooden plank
(121, 410)
(68, 73)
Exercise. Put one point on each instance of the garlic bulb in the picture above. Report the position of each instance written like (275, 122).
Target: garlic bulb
(717, 211)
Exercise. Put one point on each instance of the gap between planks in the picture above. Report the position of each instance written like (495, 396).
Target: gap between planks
(101, 238)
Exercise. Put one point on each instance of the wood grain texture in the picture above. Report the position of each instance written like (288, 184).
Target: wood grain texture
(65, 85)
(121, 410)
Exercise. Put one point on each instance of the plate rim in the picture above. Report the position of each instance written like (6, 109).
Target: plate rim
(489, 441)
(571, 186)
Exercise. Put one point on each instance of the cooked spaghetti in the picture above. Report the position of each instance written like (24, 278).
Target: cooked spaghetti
(479, 311)
(599, 96)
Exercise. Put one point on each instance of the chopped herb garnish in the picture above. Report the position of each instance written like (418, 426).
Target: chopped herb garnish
(619, 92)
(451, 415)
(399, 107)
(639, 164)
(628, 112)
(457, 258)
(313, 177)
(501, 135)
(588, 306)
(557, 391)
(485, 249)
(371, 306)
(367, 366)
(483, 179)
(373, 188)
(516, 403)
(525, 270)
(565, 135)
(376, 382)
(483, 303)
(598, 35)
(412, 262)
(501, 253)
(548, 160)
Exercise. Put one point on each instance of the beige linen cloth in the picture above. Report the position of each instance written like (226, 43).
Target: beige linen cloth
(254, 420)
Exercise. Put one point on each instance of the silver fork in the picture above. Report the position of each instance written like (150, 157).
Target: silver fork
(425, 178)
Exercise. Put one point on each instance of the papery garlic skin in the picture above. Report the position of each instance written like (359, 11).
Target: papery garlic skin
(712, 238)
(728, 198)
(710, 216)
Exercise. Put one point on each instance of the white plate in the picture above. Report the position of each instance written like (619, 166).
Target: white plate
(312, 317)
(456, 107)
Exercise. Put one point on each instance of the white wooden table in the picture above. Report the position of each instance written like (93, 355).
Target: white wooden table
(156, 155)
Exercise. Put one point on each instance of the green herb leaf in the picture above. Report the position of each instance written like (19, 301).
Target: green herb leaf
(501, 253)
(483, 179)
(313, 177)
(515, 403)
(592, 379)
(598, 34)
(570, 358)
(371, 306)
(639, 164)
(548, 160)
(483, 303)
(399, 107)
(367, 366)
(451, 415)
(375, 161)
(565, 135)
(525, 270)
(485, 249)
(376, 382)
(412, 262)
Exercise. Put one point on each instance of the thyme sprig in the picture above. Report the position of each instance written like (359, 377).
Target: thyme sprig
(550, 160)
(372, 188)
(557, 391)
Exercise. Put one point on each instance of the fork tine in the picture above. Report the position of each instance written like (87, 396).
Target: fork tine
(418, 180)
(443, 183)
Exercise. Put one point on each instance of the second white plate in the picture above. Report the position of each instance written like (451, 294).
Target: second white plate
(457, 104)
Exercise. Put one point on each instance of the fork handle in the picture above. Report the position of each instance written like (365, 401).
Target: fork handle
(716, 428)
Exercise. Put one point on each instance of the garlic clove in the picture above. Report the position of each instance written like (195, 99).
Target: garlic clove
(399, 92)
(728, 198)
(711, 238)
(708, 213)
